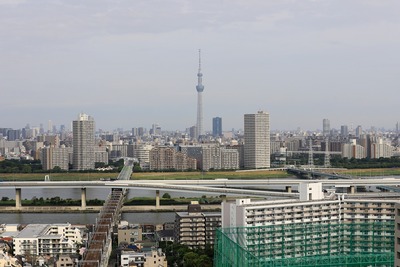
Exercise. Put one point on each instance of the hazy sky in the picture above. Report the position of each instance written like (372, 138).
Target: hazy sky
(133, 63)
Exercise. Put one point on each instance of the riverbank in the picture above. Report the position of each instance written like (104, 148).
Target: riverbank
(96, 209)
(76, 176)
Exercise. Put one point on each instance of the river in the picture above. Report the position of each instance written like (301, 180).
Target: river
(91, 193)
(84, 218)
(88, 218)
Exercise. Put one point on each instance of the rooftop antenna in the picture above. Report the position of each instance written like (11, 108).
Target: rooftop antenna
(199, 60)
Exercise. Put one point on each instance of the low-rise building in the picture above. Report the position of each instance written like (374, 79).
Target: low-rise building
(154, 258)
(47, 239)
(7, 260)
(129, 233)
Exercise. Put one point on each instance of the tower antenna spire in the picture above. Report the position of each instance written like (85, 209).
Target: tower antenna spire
(199, 60)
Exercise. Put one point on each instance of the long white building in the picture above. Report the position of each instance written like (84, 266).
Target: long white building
(47, 239)
(313, 207)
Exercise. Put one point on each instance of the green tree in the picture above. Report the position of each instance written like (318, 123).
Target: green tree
(189, 259)
(166, 195)
(26, 169)
(57, 169)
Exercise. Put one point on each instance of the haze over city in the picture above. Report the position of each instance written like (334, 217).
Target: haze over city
(134, 63)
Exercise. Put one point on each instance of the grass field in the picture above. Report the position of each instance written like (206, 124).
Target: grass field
(372, 172)
(72, 176)
(143, 175)
(56, 176)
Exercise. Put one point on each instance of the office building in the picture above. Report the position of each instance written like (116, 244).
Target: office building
(13, 135)
(256, 140)
(83, 142)
(217, 127)
(344, 131)
(141, 131)
(359, 131)
(326, 127)
(193, 132)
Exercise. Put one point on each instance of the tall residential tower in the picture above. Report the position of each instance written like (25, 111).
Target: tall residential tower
(256, 140)
(200, 89)
(326, 127)
(83, 143)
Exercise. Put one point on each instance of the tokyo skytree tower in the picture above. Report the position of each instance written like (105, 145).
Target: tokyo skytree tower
(200, 89)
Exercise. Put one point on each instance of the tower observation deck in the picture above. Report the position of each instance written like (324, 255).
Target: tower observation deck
(200, 89)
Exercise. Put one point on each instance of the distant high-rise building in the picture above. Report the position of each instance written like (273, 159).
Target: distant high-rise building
(344, 131)
(83, 142)
(141, 131)
(155, 129)
(193, 132)
(256, 140)
(13, 135)
(358, 131)
(200, 89)
(41, 129)
(217, 126)
(134, 131)
(326, 127)
(49, 126)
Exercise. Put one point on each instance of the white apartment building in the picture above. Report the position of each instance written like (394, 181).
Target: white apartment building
(47, 239)
(382, 149)
(312, 207)
(83, 142)
(256, 140)
(155, 258)
(353, 150)
(100, 154)
(142, 153)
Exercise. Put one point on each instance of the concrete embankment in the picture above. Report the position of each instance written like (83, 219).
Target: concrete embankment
(96, 209)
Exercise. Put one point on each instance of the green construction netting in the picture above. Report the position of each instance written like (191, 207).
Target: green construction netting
(322, 244)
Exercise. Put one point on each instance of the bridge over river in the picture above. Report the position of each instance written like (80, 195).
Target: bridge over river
(99, 245)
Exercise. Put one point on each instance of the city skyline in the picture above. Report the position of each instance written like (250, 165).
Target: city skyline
(132, 63)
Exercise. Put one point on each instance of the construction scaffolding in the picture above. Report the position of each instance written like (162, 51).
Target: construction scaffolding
(306, 245)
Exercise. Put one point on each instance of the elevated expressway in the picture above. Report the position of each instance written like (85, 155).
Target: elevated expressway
(221, 186)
